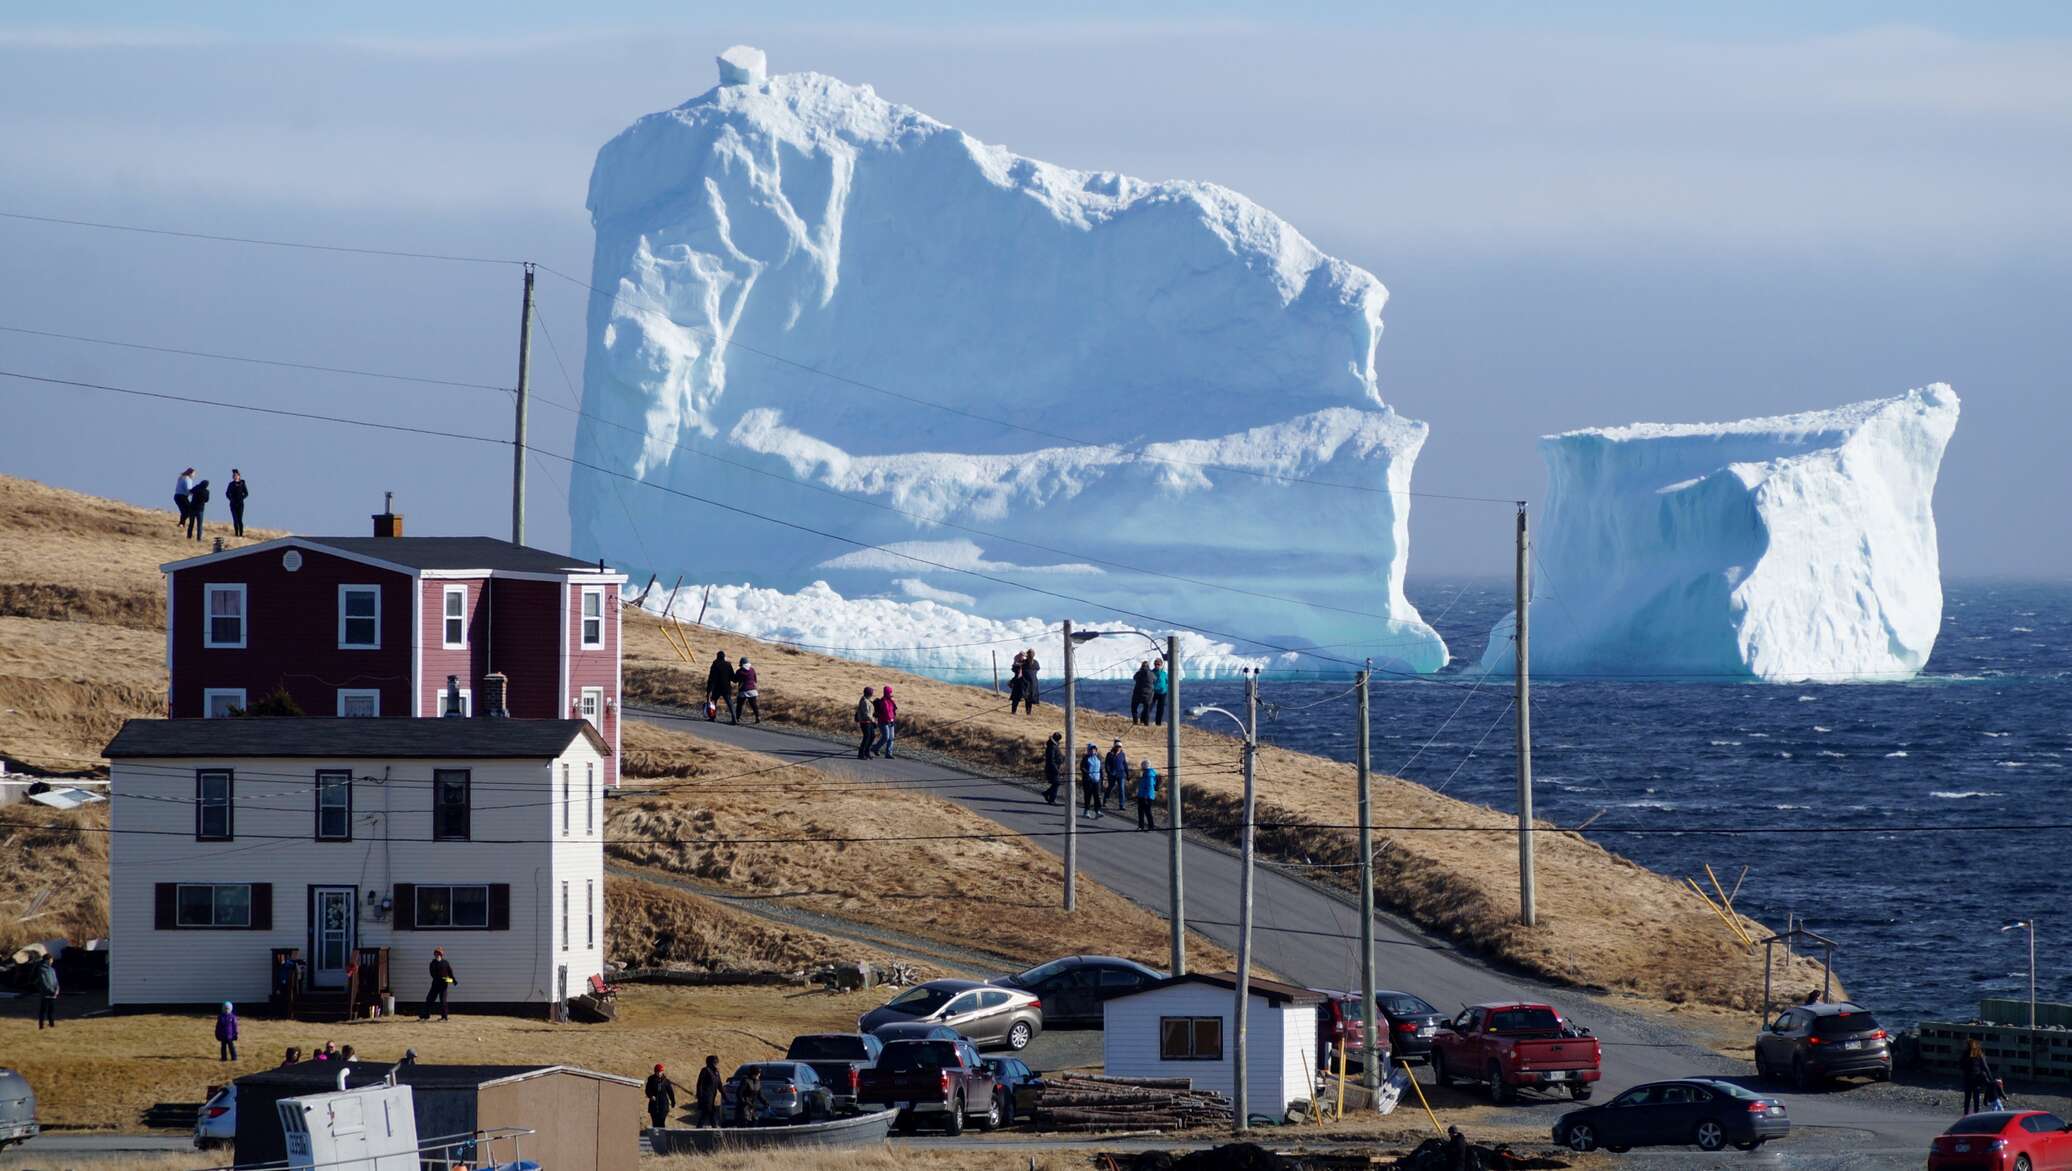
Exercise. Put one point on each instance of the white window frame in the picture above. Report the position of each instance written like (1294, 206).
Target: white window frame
(590, 706)
(447, 617)
(567, 802)
(590, 914)
(467, 702)
(345, 591)
(213, 887)
(210, 694)
(417, 896)
(564, 914)
(590, 798)
(583, 618)
(350, 693)
(208, 615)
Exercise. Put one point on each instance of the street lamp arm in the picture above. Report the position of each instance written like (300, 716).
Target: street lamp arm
(1199, 712)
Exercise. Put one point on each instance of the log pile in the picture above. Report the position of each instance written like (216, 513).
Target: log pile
(1086, 1102)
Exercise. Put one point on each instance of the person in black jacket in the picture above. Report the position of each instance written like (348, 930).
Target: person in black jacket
(709, 1085)
(1140, 694)
(719, 688)
(235, 494)
(197, 502)
(1054, 766)
(1031, 695)
(661, 1097)
(866, 723)
(442, 983)
(1978, 1078)
(1017, 687)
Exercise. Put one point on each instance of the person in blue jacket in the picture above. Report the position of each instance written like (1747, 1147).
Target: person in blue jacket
(1159, 686)
(1146, 791)
(1115, 776)
(1090, 782)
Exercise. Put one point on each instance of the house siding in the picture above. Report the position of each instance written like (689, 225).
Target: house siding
(596, 666)
(524, 635)
(470, 663)
(1279, 1039)
(513, 809)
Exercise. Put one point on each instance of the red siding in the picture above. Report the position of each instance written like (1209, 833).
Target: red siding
(525, 617)
(596, 667)
(291, 634)
(471, 663)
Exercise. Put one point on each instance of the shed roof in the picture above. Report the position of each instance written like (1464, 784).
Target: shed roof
(334, 737)
(309, 1077)
(1272, 991)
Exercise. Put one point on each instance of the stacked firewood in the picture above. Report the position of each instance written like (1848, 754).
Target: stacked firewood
(1085, 1102)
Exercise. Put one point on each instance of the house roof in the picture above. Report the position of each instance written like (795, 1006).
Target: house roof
(418, 554)
(322, 1076)
(1272, 991)
(335, 738)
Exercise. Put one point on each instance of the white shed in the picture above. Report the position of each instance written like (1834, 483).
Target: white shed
(1183, 1027)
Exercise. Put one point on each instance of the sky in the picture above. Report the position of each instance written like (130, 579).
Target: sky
(1586, 214)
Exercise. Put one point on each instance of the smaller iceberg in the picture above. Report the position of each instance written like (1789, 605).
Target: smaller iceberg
(1794, 548)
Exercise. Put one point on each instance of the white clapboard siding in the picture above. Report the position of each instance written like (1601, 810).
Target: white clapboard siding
(1281, 1042)
(516, 840)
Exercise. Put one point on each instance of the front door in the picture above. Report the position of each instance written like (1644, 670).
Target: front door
(331, 921)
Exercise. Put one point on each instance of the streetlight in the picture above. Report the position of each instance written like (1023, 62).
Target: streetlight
(1250, 727)
(1177, 924)
(2030, 926)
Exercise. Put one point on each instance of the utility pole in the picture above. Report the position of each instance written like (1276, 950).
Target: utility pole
(1527, 913)
(1179, 903)
(1240, 1108)
(1072, 778)
(518, 442)
(1369, 1059)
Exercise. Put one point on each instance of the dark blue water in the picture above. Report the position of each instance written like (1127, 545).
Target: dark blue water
(1983, 738)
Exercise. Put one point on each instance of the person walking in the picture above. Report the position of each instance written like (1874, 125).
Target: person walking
(1090, 782)
(1146, 792)
(226, 1033)
(1031, 671)
(1160, 683)
(866, 723)
(1978, 1077)
(1017, 687)
(46, 993)
(748, 1096)
(1140, 694)
(708, 1092)
(886, 713)
(1053, 766)
(1115, 774)
(235, 492)
(745, 677)
(719, 688)
(183, 490)
(661, 1097)
(442, 984)
(197, 504)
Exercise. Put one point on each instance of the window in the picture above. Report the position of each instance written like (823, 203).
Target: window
(334, 805)
(567, 803)
(593, 616)
(222, 702)
(963, 1004)
(467, 703)
(590, 799)
(1638, 1096)
(590, 913)
(226, 615)
(564, 914)
(452, 906)
(359, 617)
(590, 705)
(360, 702)
(991, 999)
(1190, 1038)
(224, 904)
(212, 811)
(450, 804)
(1120, 978)
(456, 632)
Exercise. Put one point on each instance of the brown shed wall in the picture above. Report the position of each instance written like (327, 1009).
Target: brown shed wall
(580, 1121)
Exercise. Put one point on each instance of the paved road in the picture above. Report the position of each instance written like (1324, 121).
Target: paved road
(1301, 932)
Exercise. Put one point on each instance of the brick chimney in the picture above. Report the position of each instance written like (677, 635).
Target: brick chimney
(388, 522)
(495, 687)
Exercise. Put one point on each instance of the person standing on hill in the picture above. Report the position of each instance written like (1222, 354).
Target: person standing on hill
(1146, 786)
(1090, 782)
(1053, 766)
(183, 489)
(867, 724)
(235, 493)
(709, 1085)
(1115, 774)
(1160, 684)
(442, 985)
(1140, 694)
(1031, 693)
(46, 993)
(719, 688)
(746, 678)
(887, 714)
(1017, 687)
(661, 1097)
(226, 1033)
(197, 504)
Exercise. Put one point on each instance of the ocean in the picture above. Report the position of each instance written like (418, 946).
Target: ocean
(1982, 739)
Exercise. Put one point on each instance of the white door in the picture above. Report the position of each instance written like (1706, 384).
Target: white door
(330, 934)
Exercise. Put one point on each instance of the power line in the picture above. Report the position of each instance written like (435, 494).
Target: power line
(102, 341)
(222, 239)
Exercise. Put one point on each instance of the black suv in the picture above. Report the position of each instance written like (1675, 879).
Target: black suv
(1074, 988)
(1814, 1042)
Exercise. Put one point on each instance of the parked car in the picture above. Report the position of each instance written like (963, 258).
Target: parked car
(1815, 1042)
(1506, 1046)
(939, 1079)
(838, 1059)
(1412, 1024)
(1339, 1020)
(915, 1031)
(987, 1014)
(216, 1125)
(1014, 1081)
(2003, 1140)
(1706, 1113)
(17, 1108)
(791, 1092)
(1073, 988)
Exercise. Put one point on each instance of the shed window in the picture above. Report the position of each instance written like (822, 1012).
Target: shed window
(1190, 1038)
(593, 616)
(359, 617)
(334, 805)
(456, 623)
(226, 616)
(213, 815)
(450, 804)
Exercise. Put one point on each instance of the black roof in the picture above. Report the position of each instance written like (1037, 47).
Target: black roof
(457, 553)
(336, 737)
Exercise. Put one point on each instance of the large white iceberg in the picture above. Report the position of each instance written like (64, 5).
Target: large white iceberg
(1800, 547)
(1010, 380)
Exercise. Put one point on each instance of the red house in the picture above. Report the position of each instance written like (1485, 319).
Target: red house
(375, 626)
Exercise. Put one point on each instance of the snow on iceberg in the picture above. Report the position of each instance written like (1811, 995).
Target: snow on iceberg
(1004, 376)
(1800, 547)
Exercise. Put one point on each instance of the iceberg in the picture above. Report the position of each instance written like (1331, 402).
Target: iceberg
(956, 375)
(1795, 548)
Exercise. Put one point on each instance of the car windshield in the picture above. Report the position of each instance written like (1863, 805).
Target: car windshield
(1403, 1004)
(907, 1055)
(923, 1000)
(1980, 1124)
(1042, 971)
(1844, 1022)
(835, 1047)
(1513, 1020)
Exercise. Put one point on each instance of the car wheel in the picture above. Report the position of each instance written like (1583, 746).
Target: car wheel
(1762, 1068)
(1439, 1077)
(1019, 1036)
(953, 1119)
(1801, 1077)
(1499, 1093)
(1581, 1137)
(2021, 1163)
(992, 1119)
(1710, 1136)
(1007, 1110)
(1580, 1093)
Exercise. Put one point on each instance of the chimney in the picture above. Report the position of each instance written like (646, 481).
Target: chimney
(451, 707)
(388, 522)
(495, 686)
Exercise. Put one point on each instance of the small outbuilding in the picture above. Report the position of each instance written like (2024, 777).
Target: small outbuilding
(1184, 1026)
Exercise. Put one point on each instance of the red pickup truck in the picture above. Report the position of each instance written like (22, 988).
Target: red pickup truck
(1510, 1045)
(946, 1080)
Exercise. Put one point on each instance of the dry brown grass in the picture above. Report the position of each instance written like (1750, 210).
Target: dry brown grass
(1605, 922)
(883, 1158)
(35, 1161)
(651, 925)
(57, 858)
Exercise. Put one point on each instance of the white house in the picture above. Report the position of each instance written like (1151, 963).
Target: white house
(1183, 1027)
(342, 837)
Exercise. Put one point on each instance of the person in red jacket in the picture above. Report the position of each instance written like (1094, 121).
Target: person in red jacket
(744, 678)
(887, 714)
